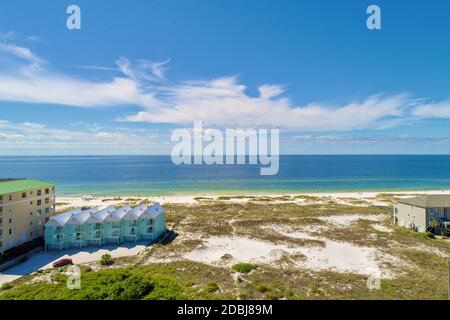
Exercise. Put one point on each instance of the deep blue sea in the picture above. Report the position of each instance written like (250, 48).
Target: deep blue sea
(156, 175)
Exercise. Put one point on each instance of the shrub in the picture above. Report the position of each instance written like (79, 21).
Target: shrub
(133, 288)
(243, 267)
(6, 286)
(430, 235)
(211, 287)
(106, 260)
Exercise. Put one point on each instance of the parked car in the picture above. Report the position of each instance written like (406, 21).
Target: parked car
(62, 263)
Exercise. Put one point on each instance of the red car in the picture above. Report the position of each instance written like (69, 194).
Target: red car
(62, 263)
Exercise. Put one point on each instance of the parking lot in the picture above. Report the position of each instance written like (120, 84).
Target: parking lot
(44, 259)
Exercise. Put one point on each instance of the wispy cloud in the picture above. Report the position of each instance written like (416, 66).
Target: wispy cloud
(221, 101)
(24, 137)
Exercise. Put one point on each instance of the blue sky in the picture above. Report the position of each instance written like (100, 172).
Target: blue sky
(138, 69)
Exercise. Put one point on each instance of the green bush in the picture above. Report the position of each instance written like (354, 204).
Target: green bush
(106, 260)
(430, 235)
(211, 287)
(243, 267)
(133, 288)
(6, 286)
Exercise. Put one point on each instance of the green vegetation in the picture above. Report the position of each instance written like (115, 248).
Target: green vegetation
(6, 286)
(430, 235)
(243, 267)
(106, 260)
(141, 278)
(155, 282)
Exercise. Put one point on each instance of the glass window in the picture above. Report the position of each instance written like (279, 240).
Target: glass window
(47, 191)
(39, 192)
(10, 197)
(24, 194)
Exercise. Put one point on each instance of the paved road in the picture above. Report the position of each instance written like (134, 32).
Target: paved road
(44, 259)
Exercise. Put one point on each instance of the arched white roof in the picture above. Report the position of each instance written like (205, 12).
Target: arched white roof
(118, 214)
(153, 211)
(100, 215)
(60, 219)
(109, 214)
(81, 217)
(135, 213)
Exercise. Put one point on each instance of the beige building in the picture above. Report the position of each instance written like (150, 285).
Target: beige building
(417, 212)
(25, 206)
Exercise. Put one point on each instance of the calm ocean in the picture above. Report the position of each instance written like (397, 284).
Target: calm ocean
(156, 175)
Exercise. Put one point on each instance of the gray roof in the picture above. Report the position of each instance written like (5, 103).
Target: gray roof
(62, 218)
(428, 201)
(95, 215)
(153, 211)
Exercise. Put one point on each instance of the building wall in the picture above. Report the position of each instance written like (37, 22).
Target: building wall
(410, 216)
(108, 233)
(23, 217)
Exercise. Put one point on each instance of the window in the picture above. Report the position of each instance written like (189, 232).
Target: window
(1, 220)
(149, 229)
(31, 223)
(1, 198)
(31, 202)
(1, 209)
(39, 212)
(47, 200)
(47, 191)
(39, 202)
(31, 213)
(39, 192)
(10, 220)
(396, 210)
(10, 197)
(47, 210)
(24, 194)
(1, 232)
(10, 231)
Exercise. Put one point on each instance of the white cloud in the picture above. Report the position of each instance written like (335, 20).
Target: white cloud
(24, 137)
(433, 110)
(222, 101)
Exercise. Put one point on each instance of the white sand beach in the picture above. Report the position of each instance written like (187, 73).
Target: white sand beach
(65, 202)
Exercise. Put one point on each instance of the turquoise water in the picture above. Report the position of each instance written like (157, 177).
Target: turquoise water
(156, 175)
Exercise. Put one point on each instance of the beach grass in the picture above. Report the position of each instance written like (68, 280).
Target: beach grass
(419, 270)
